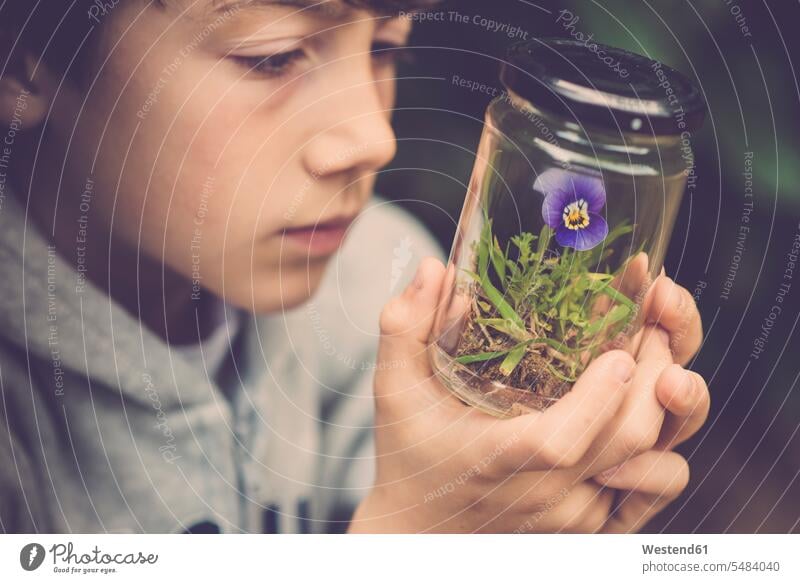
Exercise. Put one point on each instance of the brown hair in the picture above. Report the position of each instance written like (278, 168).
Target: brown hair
(393, 6)
(60, 31)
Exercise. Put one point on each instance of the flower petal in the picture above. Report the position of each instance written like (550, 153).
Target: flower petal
(592, 235)
(566, 237)
(569, 187)
(553, 208)
(551, 180)
(591, 189)
(583, 239)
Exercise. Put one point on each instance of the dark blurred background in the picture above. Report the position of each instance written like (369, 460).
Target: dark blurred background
(745, 461)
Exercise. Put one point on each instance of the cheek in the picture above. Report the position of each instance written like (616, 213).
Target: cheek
(222, 189)
(256, 166)
(212, 158)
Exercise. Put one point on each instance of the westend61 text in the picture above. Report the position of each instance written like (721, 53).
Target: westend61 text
(672, 550)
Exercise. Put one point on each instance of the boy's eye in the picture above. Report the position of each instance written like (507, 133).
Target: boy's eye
(280, 64)
(391, 53)
(275, 65)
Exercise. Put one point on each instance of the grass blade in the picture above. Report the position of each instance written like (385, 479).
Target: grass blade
(480, 357)
(513, 359)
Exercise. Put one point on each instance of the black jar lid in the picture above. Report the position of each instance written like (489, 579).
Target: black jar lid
(603, 86)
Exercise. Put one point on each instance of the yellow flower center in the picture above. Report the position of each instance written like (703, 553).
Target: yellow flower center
(576, 215)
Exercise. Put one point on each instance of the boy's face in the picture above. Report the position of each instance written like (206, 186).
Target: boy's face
(220, 162)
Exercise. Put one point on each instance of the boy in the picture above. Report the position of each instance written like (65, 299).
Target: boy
(182, 354)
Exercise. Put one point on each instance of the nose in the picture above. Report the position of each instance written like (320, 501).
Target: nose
(355, 131)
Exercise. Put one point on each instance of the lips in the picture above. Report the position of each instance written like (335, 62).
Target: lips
(319, 239)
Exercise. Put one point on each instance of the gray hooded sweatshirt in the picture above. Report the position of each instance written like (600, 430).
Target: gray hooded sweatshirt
(106, 428)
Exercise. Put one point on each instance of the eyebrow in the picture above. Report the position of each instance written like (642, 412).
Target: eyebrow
(324, 8)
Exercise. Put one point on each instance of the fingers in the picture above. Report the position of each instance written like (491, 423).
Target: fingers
(540, 506)
(635, 278)
(661, 473)
(454, 309)
(407, 319)
(560, 436)
(405, 385)
(585, 509)
(648, 483)
(685, 395)
(673, 308)
(637, 425)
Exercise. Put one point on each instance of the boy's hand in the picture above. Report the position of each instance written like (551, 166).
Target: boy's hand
(650, 481)
(671, 403)
(647, 483)
(682, 392)
(448, 467)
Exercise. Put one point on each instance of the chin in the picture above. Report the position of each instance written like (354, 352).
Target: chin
(287, 290)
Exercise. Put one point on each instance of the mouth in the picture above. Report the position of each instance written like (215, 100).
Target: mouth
(319, 239)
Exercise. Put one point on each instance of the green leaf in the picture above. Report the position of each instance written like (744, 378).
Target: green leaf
(498, 260)
(513, 359)
(618, 297)
(598, 279)
(483, 249)
(557, 374)
(560, 346)
(504, 326)
(481, 357)
(544, 242)
(505, 309)
(492, 293)
(615, 315)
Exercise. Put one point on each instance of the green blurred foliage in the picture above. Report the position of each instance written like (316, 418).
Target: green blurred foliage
(742, 59)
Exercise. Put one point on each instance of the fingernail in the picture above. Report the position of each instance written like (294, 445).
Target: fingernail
(663, 271)
(609, 473)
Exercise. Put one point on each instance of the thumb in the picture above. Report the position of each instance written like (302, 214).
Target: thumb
(407, 320)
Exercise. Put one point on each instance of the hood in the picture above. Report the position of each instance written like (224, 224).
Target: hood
(82, 330)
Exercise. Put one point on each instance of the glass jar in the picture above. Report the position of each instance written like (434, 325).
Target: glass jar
(578, 180)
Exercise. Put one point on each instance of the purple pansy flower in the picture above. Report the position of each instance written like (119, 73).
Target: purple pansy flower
(572, 207)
